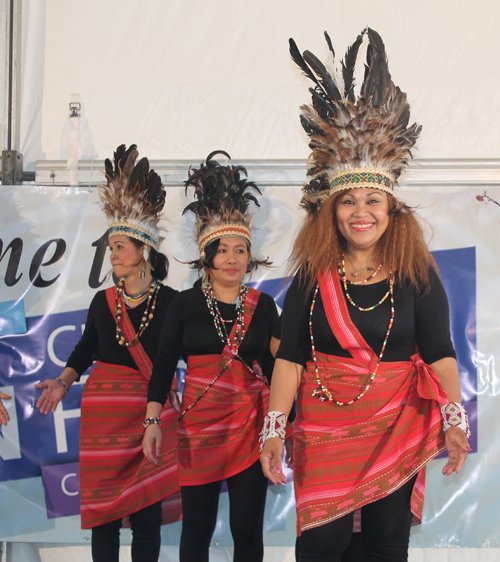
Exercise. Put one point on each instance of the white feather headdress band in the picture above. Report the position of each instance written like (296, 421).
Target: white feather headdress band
(137, 230)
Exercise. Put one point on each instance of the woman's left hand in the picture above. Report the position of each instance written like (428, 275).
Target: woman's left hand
(458, 448)
(151, 443)
(53, 393)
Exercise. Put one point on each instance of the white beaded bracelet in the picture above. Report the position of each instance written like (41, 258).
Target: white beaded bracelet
(274, 426)
(454, 415)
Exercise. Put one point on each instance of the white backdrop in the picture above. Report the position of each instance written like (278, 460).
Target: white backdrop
(183, 78)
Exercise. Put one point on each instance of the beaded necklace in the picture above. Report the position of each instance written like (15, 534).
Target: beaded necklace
(322, 391)
(345, 281)
(135, 299)
(220, 323)
(146, 317)
(234, 342)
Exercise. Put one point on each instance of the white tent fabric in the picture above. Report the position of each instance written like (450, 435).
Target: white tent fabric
(183, 78)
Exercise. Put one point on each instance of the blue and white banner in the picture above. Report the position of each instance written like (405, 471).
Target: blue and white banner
(53, 258)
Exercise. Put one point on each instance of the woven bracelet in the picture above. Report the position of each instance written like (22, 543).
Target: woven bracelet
(274, 426)
(454, 415)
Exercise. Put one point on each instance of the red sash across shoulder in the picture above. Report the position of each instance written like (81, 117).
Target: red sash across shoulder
(115, 477)
(218, 437)
(349, 456)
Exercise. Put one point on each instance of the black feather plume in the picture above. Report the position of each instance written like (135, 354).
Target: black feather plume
(325, 79)
(349, 66)
(300, 62)
(221, 193)
(377, 81)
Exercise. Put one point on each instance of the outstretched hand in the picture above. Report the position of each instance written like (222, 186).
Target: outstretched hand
(458, 448)
(4, 415)
(270, 459)
(53, 393)
(151, 443)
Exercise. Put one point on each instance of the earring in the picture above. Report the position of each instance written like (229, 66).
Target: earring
(205, 279)
(142, 271)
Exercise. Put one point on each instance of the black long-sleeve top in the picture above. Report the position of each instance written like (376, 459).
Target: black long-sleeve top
(98, 342)
(420, 320)
(189, 329)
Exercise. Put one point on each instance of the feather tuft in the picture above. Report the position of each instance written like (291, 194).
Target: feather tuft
(133, 195)
(221, 194)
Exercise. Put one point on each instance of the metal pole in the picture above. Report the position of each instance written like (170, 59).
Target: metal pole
(12, 159)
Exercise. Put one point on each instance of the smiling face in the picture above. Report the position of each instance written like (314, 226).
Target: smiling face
(126, 257)
(230, 262)
(362, 217)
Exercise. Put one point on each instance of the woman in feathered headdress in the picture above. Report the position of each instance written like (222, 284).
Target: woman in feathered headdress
(122, 333)
(365, 337)
(223, 328)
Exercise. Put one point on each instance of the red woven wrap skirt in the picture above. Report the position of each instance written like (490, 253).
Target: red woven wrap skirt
(219, 436)
(348, 456)
(115, 477)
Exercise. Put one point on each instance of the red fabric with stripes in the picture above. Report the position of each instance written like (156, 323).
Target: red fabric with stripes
(349, 456)
(219, 436)
(115, 477)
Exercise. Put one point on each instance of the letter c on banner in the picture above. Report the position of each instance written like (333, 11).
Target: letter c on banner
(63, 484)
(50, 344)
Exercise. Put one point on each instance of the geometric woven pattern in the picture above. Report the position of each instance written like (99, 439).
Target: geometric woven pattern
(361, 177)
(115, 477)
(454, 415)
(219, 436)
(348, 456)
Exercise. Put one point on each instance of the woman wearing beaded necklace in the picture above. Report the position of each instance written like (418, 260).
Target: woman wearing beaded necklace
(122, 333)
(223, 329)
(366, 341)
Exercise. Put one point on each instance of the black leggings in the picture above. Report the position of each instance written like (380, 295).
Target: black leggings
(385, 534)
(247, 499)
(146, 539)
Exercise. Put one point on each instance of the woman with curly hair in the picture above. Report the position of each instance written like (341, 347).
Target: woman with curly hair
(365, 334)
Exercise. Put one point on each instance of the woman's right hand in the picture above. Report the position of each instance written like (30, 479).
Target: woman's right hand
(4, 415)
(53, 393)
(151, 443)
(270, 459)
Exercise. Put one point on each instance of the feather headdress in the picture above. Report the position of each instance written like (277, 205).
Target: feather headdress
(133, 197)
(222, 200)
(364, 142)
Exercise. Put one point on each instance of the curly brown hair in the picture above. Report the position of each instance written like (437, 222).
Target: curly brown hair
(402, 248)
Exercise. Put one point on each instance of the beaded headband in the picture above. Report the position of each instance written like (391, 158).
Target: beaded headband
(134, 231)
(361, 178)
(223, 231)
